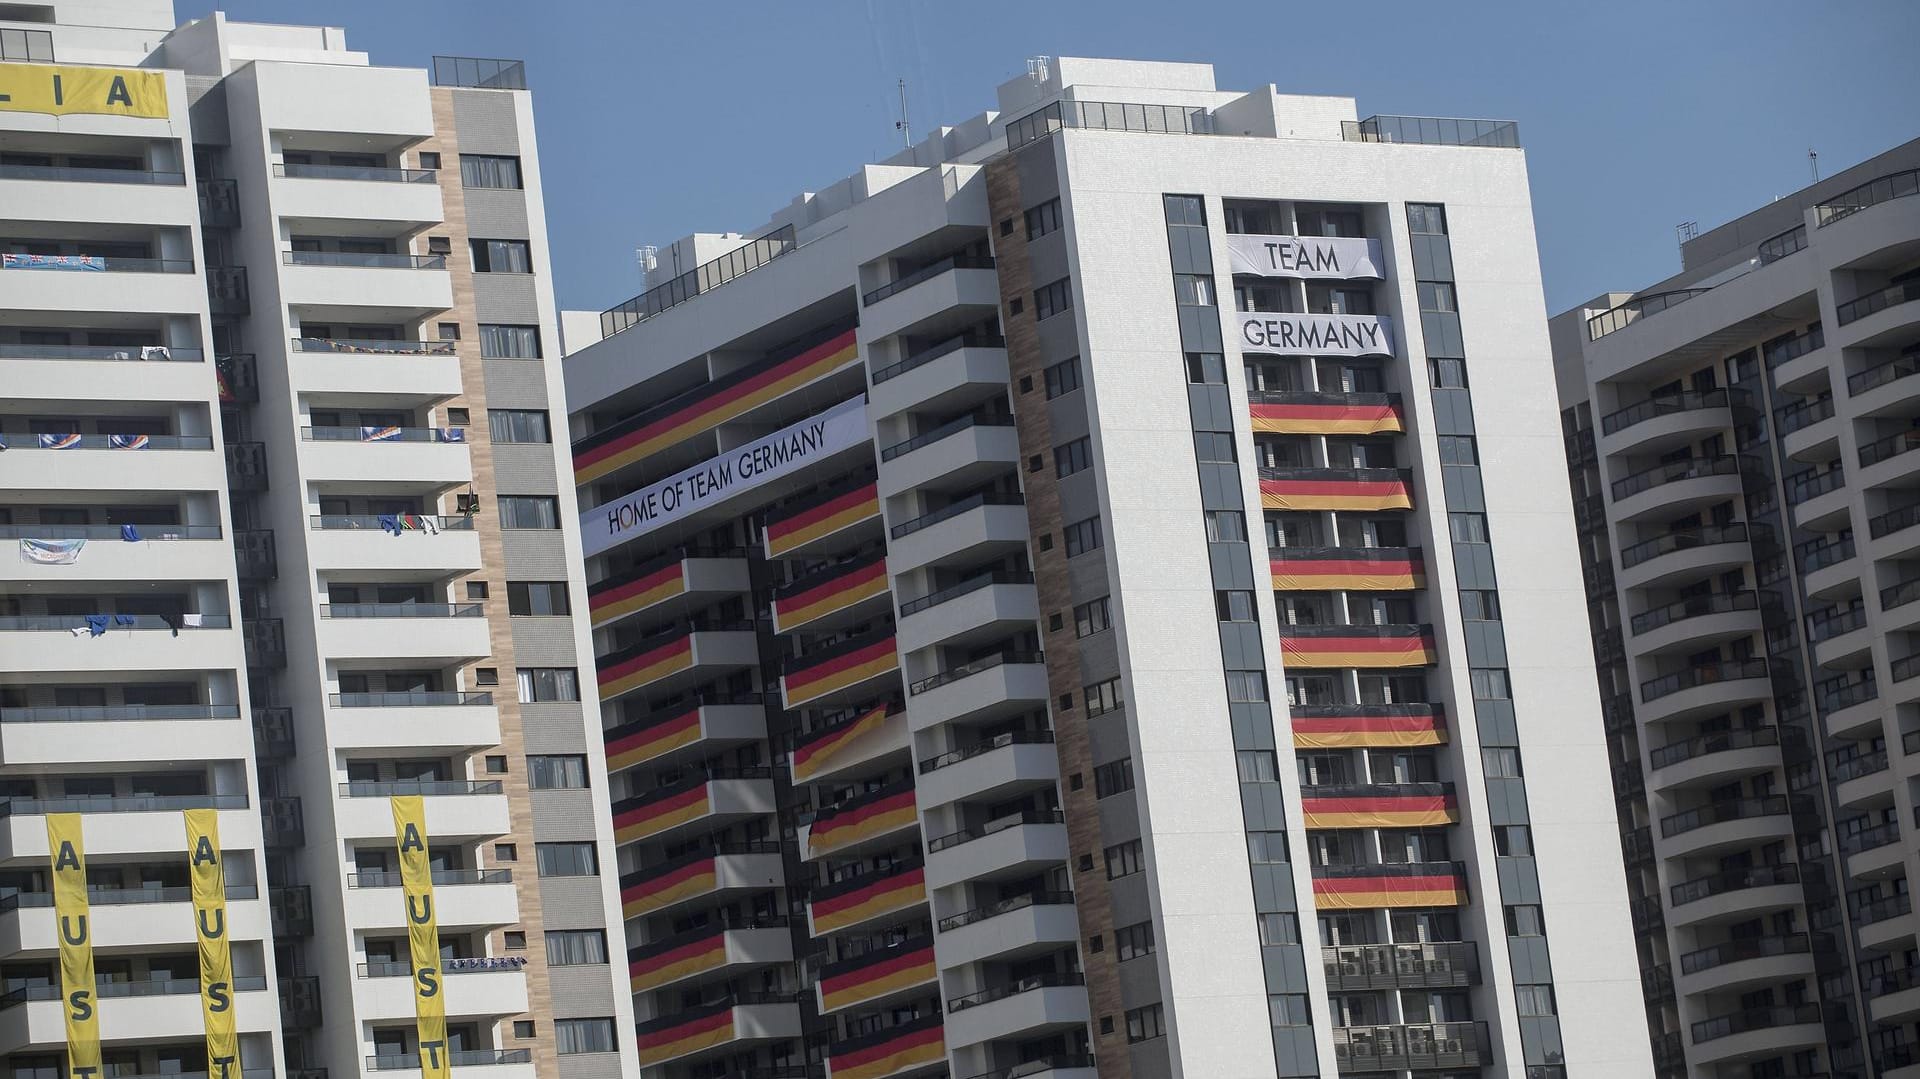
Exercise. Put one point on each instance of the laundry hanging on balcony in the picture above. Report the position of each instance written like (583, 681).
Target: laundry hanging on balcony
(51, 552)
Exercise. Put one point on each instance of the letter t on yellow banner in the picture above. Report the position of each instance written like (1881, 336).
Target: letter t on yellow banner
(208, 873)
(423, 935)
(69, 858)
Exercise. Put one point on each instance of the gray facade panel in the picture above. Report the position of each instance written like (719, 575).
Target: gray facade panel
(516, 383)
(486, 122)
(1139, 981)
(1108, 741)
(1119, 819)
(506, 297)
(555, 727)
(497, 213)
(570, 902)
(561, 816)
(582, 991)
(543, 641)
(590, 1065)
(534, 554)
(524, 469)
(1129, 899)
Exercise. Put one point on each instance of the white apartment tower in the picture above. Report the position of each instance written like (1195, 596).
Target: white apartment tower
(1740, 442)
(955, 729)
(306, 301)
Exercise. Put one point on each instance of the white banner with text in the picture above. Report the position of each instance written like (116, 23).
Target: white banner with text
(1292, 333)
(1320, 258)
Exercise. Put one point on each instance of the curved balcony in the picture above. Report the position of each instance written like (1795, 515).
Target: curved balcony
(1748, 961)
(1863, 780)
(1894, 997)
(993, 770)
(1893, 534)
(1715, 758)
(1898, 611)
(1734, 894)
(1755, 1033)
(1675, 489)
(984, 690)
(1619, 318)
(1025, 1008)
(1828, 565)
(1021, 925)
(1001, 849)
(1660, 423)
(1887, 388)
(1691, 554)
(1872, 852)
(1889, 461)
(1850, 707)
(1804, 434)
(1725, 825)
(1714, 687)
(1884, 925)
(1690, 624)
(1868, 317)
(1819, 499)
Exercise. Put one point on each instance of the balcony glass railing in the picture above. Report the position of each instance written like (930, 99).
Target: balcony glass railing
(1619, 318)
(1902, 366)
(1722, 812)
(1681, 541)
(479, 72)
(1032, 982)
(154, 533)
(1706, 675)
(433, 788)
(1733, 880)
(1860, 766)
(1880, 910)
(1905, 668)
(1866, 839)
(419, 698)
(76, 174)
(1666, 405)
(1839, 693)
(115, 623)
(1707, 744)
(459, 1058)
(1719, 955)
(1778, 247)
(944, 431)
(968, 670)
(1693, 607)
(1780, 350)
(110, 990)
(402, 610)
(999, 741)
(926, 273)
(1827, 551)
(76, 441)
(372, 260)
(1754, 1019)
(993, 827)
(1872, 193)
(970, 585)
(1828, 624)
(701, 279)
(384, 522)
(1432, 131)
(1674, 472)
(116, 713)
(1413, 966)
(928, 355)
(1803, 414)
(373, 346)
(373, 173)
(117, 353)
(11, 261)
(1006, 906)
(1873, 302)
(1109, 116)
(120, 897)
(1900, 594)
(955, 509)
(114, 803)
(384, 878)
(1807, 486)
(1883, 449)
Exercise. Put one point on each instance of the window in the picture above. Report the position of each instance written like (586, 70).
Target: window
(1534, 999)
(1277, 929)
(1145, 1024)
(1193, 290)
(440, 245)
(449, 331)
(1006, 226)
(538, 684)
(1267, 848)
(1226, 526)
(529, 511)
(1467, 527)
(1490, 683)
(1214, 446)
(1436, 296)
(537, 597)
(1185, 210)
(483, 676)
(1246, 685)
(1075, 456)
(556, 772)
(1479, 605)
(576, 947)
(501, 256)
(502, 342)
(1525, 921)
(523, 1028)
(489, 170)
(1206, 368)
(1113, 777)
(1288, 1010)
(1124, 859)
(1512, 840)
(1043, 219)
(1426, 217)
(1050, 300)
(1447, 374)
(1458, 450)
(506, 852)
(1234, 606)
(1257, 765)
(518, 425)
(1500, 763)
(1063, 377)
(1095, 616)
(496, 765)
(1102, 697)
(466, 504)
(1133, 941)
(567, 859)
(515, 939)
(1083, 536)
(583, 1036)
(430, 160)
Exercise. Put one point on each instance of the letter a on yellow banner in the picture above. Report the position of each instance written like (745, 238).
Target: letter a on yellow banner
(208, 872)
(423, 935)
(68, 856)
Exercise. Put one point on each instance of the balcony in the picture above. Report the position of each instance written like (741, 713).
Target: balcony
(1861, 779)
(878, 976)
(273, 733)
(291, 910)
(455, 808)
(697, 650)
(393, 542)
(723, 949)
(1672, 490)
(484, 988)
(390, 196)
(839, 673)
(996, 769)
(1342, 726)
(283, 821)
(1691, 624)
(1378, 805)
(464, 1058)
(434, 634)
(1755, 1032)
(1322, 647)
(1619, 318)
(1715, 757)
(256, 555)
(1748, 961)
(464, 899)
(1724, 825)
(957, 373)
(865, 898)
(450, 721)
(49, 283)
(1015, 845)
(1365, 569)
(1359, 489)
(145, 918)
(1709, 687)
(1871, 851)
(701, 279)
(909, 1046)
(838, 518)
(246, 466)
(1296, 412)
(1400, 884)
(368, 456)
(409, 373)
(1875, 302)
(694, 1033)
(971, 530)
(708, 800)
(859, 741)
(865, 822)
(1026, 1008)
(125, 643)
(982, 608)
(837, 595)
(1415, 1046)
(1827, 565)
(1894, 997)
(913, 300)
(1661, 423)
(981, 691)
(1367, 967)
(160, 1011)
(384, 288)
(709, 874)
(1819, 499)
(678, 580)
(1021, 925)
(701, 727)
(1734, 893)
(962, 453)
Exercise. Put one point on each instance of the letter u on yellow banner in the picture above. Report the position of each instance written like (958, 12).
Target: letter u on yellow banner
(68, 856)
(207, 870)
(423, 935)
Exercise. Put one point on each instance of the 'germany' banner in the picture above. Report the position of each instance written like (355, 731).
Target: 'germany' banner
(1333, 417)
(1341, 732)
(1335, 494)
(69, 857)
(423, 934)
(208, 874)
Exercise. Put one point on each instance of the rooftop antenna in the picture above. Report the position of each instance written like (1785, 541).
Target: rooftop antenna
(1813, 162)
(1037, 67)
(901, 125)
(648, 256)
(1684, 231)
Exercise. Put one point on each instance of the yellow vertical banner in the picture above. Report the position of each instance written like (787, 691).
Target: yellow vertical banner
(69, 859)
(423, 935)
(208, 874)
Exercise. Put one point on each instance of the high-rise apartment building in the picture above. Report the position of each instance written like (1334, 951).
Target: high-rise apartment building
(279, 386)
(955, 726)
(1739, 441)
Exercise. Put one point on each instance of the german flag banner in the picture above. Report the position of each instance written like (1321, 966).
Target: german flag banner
(606, 603)
(878, 974)
(1392, 573)
(651, 665)
(668, 888)
(1407, 811)
(630, 744)
(843, 589)
(1359, 893)
(638, 818)
(715, 404)
(824, 519)
(1335, 494)
(910, 1045)
(811, 758)
(813, 679)
(666, 1043)
(1357, 651)
(878, 896)
(646, 972)
(841, 826)
(1351, 732)
(1326, 419)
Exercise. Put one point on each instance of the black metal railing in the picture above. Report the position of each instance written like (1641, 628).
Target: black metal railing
(1902, 366)
(1618, 318)
(1364, 967)
(1666, 405)
(998, 741)
(1637, 553)
(1030, 983)
(1856, 309)
(955, 509)
(369, 260)
(944, 431)
(1006, 906)
(1673, 472)
(1733, 880)
(1872, 193)
(1718, 742)
(1818, 554)
(970, 585)
(417, 698)
(1781, 349)
(933, 352)
(1883, 449)
(373, 173)
(994, 827)
(1775, 248)
(1754, 1019)
(1801, 414)
(926, 273)
(973, 667)
(1735, 951)
(1809, 485)
(1722, 812)
(1693, 607)
(701, 279)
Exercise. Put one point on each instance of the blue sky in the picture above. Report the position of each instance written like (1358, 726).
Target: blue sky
(660, 119)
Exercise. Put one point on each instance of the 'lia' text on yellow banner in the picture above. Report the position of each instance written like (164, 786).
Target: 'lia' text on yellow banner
(61, 90)
(208, 874)
(423, 935)
(69, 859)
